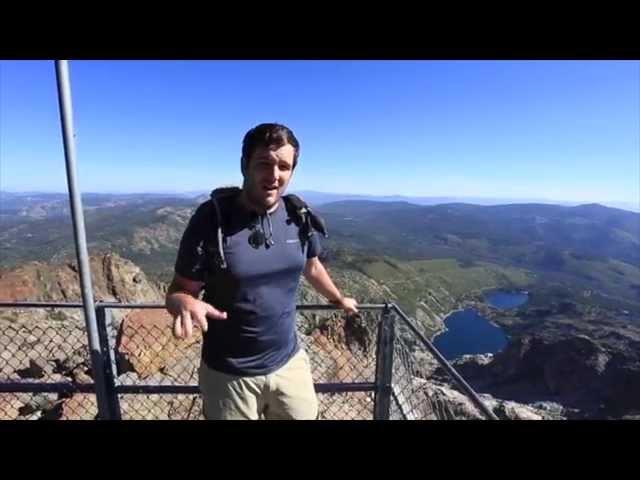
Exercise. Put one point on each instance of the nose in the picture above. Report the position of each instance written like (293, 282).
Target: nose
(273, 173)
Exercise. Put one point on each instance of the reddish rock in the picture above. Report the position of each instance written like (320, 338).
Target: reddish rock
(17, 285)
(113, 279)
(10, 404)
(339, 355)
(80, 406)
(146, 342)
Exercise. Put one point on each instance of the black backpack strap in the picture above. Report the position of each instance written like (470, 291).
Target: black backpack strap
(215, 233)
(304, 217)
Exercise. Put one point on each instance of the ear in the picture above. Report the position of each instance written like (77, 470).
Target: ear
(243, 166)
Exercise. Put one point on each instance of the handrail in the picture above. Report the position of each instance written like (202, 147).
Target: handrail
(116, 305)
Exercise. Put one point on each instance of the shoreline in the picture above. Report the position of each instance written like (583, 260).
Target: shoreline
(483, 309)
(471, 300)
(444, 328)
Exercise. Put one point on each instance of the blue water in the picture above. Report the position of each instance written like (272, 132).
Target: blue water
(505, 300)
(469, 333)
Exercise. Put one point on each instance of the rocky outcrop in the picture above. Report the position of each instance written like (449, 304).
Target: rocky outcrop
(342, 350)
(438, 401)
(50, 345)
(114, 279)
(576, 371)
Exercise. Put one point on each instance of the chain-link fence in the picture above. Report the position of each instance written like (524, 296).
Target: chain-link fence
(50, 348)
(45, 368)
(145, 356)
(342, 350)
(346, 406)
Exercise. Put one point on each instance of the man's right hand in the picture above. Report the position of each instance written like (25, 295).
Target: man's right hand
(192, 311)
(186, 309)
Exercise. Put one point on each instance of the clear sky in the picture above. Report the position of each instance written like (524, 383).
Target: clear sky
(561, 130)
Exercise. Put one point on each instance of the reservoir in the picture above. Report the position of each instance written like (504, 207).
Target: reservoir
(470, 333)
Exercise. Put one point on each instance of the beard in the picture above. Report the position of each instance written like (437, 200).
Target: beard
(260, 198)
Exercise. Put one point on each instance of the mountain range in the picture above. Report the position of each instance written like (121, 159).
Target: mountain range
(579, 264)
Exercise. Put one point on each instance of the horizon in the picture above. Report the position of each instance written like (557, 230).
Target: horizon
(566, 131)
(489, 201)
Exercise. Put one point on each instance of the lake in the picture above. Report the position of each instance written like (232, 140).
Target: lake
(470, 333)
(505, 300)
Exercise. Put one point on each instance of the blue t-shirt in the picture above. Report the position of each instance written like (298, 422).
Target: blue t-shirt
(257, 289)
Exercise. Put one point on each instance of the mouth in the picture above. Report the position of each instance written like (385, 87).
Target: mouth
(270, 189)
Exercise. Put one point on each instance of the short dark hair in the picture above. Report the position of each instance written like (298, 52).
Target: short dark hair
(268, 135)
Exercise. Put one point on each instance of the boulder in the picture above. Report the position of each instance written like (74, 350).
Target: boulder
(146, 343)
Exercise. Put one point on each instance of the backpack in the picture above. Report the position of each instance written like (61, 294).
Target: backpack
(304, 218)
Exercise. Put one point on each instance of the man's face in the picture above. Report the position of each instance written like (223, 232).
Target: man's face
(268, 175)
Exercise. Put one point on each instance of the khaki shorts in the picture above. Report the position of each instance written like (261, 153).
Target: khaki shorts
(286, 394)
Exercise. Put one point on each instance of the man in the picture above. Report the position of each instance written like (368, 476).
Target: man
(252, 365)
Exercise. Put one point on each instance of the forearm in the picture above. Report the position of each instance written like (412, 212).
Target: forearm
(319, 279)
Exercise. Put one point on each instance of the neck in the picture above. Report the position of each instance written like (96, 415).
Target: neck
(246, 201)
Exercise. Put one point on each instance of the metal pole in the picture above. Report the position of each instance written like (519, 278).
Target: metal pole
(66, 118)
(447, 366)
(104, 319)
(384, 367)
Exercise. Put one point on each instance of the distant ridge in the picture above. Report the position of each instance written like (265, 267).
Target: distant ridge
(317, 198)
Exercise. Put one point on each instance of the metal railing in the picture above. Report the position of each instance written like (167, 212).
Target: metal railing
(147, 374)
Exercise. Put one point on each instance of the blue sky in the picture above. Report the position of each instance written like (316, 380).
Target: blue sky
(558, 130)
